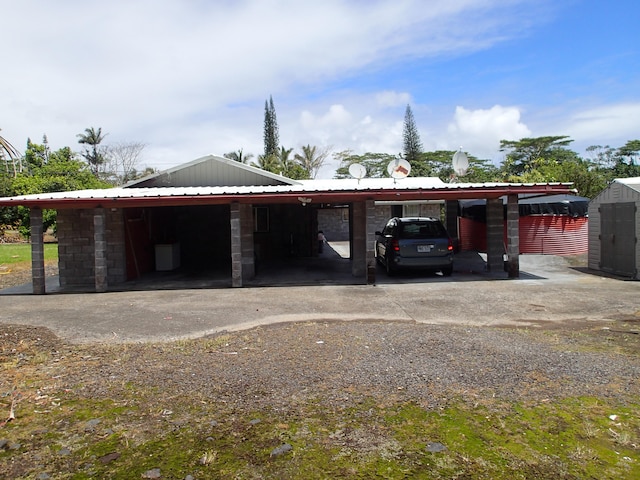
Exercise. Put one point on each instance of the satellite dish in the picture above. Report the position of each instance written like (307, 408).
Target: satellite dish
(399, 168)
(460, 162)
(357, 171)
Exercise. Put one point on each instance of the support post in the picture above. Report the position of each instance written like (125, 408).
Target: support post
(100, 250)
(495, 235)
(359, 243)
(37, 251)
(236, 246)
(513, 237)
(243, 266)
(451, 220)
(370, 241)
(247, 243)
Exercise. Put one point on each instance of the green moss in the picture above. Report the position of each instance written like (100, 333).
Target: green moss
(572, 438)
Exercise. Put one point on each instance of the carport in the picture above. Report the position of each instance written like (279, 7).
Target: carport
(106, 235)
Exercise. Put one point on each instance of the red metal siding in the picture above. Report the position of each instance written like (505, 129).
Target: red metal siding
(554, 235)
(539, 234)
(473, 235)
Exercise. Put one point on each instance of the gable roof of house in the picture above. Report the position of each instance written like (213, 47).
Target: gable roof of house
(211, 171)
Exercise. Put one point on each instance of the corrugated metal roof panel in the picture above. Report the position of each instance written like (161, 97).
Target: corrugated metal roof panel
(342, 185)
(631, 182)
(211, 170)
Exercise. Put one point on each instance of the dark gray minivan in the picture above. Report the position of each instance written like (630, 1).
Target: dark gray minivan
(415, 243)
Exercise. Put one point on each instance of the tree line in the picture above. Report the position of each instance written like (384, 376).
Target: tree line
(41, 170)
(528, 160)
(279, 159)
(546, 159)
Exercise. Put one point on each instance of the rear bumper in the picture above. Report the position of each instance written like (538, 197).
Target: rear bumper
(427, 262)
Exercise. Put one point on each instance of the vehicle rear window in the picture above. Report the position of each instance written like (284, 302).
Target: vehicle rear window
(422, 230)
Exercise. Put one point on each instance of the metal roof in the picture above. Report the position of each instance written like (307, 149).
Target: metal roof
(209, 171)
(631, 182)
(306, 192)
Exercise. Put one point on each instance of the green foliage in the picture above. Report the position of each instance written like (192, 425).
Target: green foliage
(522, 154)
(238, 156)
(58, 171)
(312, 159)
(271, 135)
(375, 163)
(282, 164)
(94, 155)
(412, 146)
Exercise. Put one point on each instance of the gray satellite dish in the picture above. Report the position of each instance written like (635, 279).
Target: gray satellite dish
(399, 168)
(460, 162)
(357, 171)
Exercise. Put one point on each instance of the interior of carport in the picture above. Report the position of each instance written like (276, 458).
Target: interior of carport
(283, 235)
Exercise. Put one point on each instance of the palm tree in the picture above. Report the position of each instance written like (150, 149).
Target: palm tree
(284, 160)
(312, 159)
(9, 153)
(238, 156)
(94, 156)
(270, 163)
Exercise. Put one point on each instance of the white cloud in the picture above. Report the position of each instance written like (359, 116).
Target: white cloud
(610, 123)
(188, 77)
(393, 99)
(480, 131)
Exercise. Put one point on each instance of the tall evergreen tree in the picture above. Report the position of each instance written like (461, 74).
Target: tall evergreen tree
(271, 137)
(411, 137)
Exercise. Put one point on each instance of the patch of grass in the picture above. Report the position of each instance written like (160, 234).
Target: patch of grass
(572, 438)
(11, 253)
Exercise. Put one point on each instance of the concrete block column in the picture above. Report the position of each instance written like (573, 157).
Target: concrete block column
(513, 236)
(236, 246)
(359, 240)
(370, 239)
(37, 251)
(495, 235)
(100, 250)
(363, 237)
(248, 258)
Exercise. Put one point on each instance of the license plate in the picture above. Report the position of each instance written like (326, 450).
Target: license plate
(424, 248)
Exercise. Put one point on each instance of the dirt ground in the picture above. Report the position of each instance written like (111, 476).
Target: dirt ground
(20, 273)
(56, 396)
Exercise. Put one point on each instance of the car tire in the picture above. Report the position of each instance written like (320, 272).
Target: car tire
(390, 270)
(447, 271)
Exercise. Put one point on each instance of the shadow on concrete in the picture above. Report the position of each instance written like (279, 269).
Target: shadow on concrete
(331, 267)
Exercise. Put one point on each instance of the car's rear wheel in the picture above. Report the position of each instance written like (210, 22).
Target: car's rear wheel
(389, 268)
(447, 271)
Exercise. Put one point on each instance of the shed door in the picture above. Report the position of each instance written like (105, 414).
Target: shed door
(618, 238)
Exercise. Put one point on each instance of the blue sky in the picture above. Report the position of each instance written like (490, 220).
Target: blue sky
(189, 78)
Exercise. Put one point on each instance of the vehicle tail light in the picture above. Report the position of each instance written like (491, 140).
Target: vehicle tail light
(395, 246)
(450, 246)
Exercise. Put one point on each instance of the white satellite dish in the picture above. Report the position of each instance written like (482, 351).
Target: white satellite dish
(357, 171)
(460, 162)
(398, 168)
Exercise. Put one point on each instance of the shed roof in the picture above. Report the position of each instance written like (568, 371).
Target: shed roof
(631, 182)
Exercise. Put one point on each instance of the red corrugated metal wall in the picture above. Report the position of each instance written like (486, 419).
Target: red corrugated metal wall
(540, 234)
(473, 235)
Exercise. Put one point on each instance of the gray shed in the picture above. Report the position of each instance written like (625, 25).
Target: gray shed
(614, 229)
